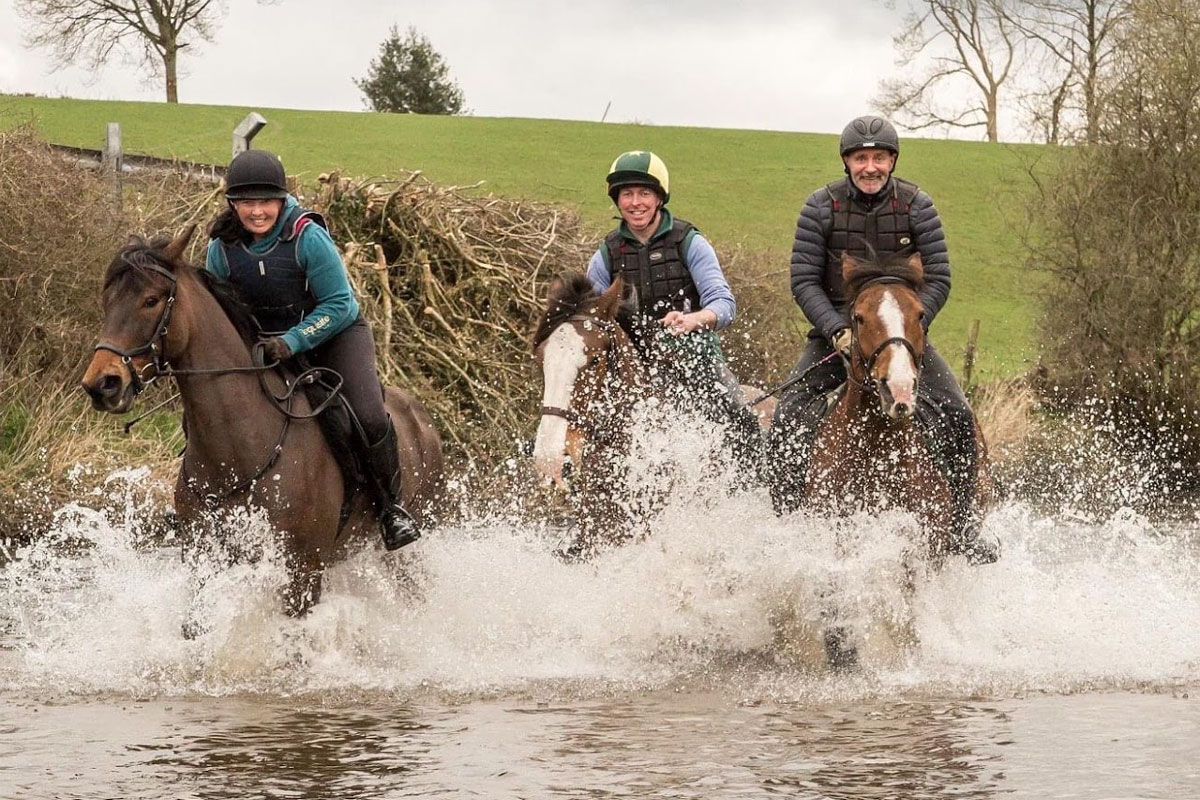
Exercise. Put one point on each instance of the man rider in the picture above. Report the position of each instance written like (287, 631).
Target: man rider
(682, 296)
(871, 211)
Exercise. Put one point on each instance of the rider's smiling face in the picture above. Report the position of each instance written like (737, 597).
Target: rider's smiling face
(258, 216)
(639, 207)
(870, 168)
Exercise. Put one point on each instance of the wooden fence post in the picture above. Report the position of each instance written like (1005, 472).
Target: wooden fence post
(969, 356)
(112, 161)
(246, 130)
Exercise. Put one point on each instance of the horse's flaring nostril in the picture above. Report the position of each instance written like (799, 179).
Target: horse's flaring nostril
(110, 386)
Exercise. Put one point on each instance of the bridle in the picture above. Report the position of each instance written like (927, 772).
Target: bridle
(869, 382)
(283, 403)
(153, 345)
(609, 328)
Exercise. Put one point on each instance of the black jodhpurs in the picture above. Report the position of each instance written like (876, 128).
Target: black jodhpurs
(351, 353)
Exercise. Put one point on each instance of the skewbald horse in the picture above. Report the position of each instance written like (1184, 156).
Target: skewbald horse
(252, 440)
(593, 377)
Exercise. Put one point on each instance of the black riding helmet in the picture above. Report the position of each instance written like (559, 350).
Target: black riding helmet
(869, 131)
(255, 175)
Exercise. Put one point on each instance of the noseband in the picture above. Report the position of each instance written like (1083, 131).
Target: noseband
(153, 345)
(610, 351)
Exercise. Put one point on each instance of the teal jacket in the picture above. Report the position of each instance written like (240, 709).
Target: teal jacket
(336, 308)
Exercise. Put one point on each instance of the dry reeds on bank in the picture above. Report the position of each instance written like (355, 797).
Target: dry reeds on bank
(451, 285)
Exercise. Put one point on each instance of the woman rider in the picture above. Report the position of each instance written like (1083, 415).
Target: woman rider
(284, 263)
(681, 292)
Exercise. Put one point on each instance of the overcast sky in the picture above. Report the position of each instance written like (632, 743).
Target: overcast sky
(794, 65)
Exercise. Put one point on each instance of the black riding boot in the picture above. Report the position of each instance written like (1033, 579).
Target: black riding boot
(383, 461)
(956, 456)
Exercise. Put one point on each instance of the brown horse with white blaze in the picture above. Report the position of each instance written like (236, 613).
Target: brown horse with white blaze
(869, 452)
(246, 448)
(593, 376)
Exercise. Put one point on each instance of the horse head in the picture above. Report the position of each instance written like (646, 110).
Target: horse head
(579, 346)
(136, 339)
(888, 335)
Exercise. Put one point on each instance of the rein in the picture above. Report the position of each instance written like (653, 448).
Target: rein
(282, 403)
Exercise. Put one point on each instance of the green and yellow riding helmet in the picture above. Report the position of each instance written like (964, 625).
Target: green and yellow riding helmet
(639, 168)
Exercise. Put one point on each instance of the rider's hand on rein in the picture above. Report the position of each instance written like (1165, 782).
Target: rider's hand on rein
(842, 341)
(276, 349)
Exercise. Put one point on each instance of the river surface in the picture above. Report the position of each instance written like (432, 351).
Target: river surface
(685, 665)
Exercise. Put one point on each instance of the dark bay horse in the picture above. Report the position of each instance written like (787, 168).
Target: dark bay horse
(869, 452)
(163, 317)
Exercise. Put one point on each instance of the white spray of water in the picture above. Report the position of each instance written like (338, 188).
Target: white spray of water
(718, 590)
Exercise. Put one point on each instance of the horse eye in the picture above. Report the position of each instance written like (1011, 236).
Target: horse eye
(594, 361)
(858, 317)
(151, 301)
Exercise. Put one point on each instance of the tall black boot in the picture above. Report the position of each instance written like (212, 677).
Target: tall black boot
(960, 469)
(383, 462)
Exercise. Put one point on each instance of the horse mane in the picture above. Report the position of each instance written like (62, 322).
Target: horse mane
(574, 295)
(863, 271)
(140, 256)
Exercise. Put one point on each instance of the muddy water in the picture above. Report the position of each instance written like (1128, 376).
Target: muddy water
(684, 665)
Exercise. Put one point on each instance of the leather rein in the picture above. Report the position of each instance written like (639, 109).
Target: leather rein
(162, 368)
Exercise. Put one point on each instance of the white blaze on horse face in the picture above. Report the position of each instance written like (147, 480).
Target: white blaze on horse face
(901, 372)
(563, 355)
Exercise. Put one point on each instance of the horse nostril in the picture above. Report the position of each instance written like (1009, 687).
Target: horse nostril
(110, 386)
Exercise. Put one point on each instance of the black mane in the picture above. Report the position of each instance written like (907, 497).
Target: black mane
(141, 256)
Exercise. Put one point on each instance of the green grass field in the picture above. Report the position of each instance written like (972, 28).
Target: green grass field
(739, 187)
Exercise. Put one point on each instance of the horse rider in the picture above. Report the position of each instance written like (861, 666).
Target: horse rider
(682, 297)
(871, 212)
(288, 271)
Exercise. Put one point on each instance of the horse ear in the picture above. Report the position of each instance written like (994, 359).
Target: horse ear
(849, 264)
(556, 286)
(917, 266)
(176, 247)
(610, 301)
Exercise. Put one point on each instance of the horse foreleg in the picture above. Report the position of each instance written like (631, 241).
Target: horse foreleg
(303, 592)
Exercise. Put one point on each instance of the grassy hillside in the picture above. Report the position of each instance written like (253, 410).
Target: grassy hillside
(742, 188)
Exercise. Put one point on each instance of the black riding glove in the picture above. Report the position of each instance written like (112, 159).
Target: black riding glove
(276, 349)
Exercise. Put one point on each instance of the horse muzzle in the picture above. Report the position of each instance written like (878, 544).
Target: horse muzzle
(898, 406)
(110, 388)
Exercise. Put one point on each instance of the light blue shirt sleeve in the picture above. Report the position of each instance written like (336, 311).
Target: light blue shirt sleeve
(336, 307)
(598, 273)
(715, 294)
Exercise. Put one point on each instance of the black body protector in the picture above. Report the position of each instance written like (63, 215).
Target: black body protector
(656, 269)
(857, 228)
(274, 283)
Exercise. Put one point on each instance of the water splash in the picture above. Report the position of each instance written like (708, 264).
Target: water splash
(720, 592)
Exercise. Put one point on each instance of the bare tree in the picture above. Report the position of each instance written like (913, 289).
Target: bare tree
(150, 31)
(965, 43)
(1076, 41)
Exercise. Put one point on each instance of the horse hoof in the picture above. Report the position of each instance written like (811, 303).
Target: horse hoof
(982, 551)
(192, 629)
(839, 650)
(574, 553)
